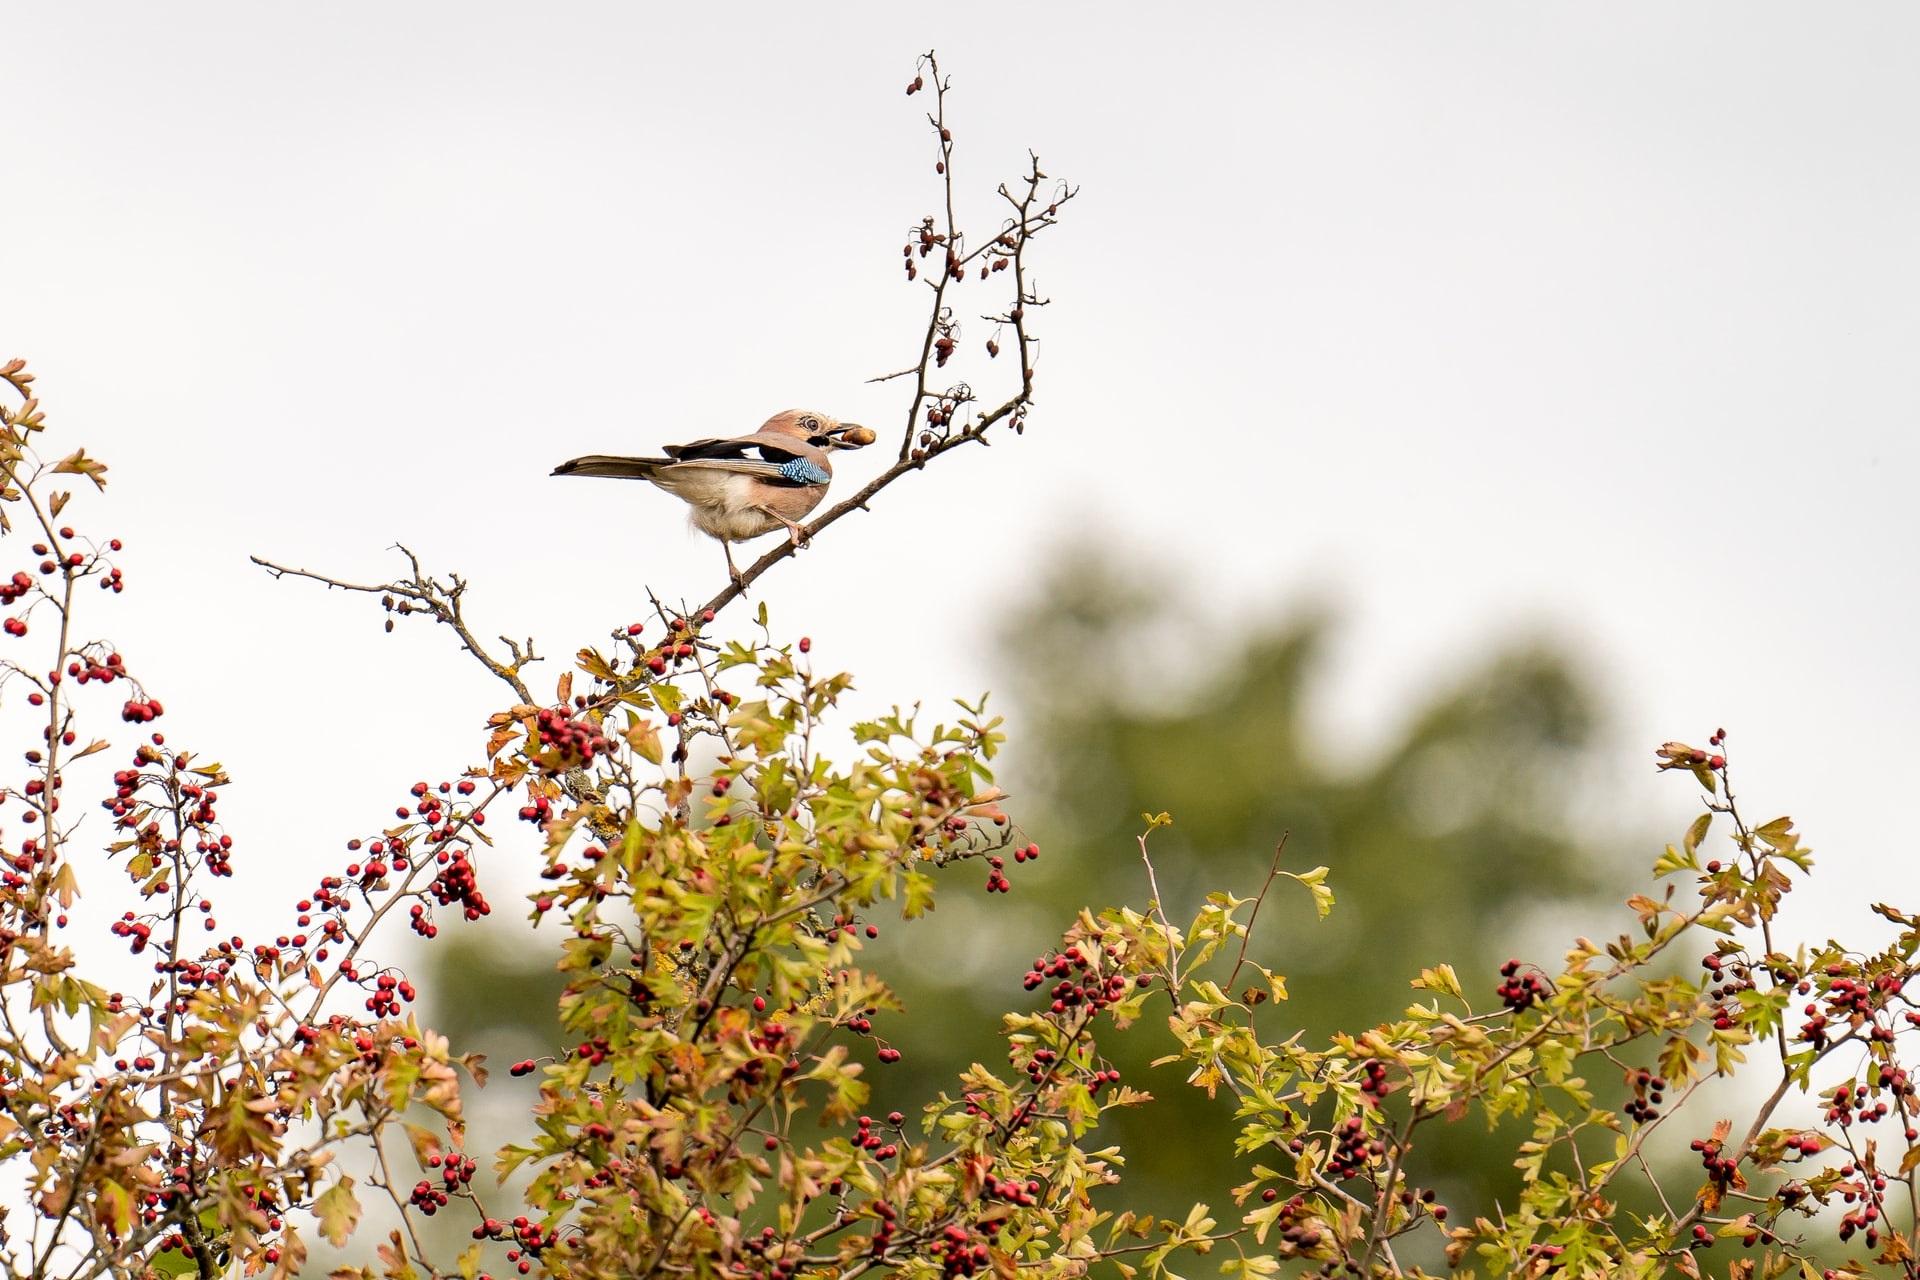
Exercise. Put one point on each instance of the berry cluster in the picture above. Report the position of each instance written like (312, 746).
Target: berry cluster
(1729, 980)
(565, 742)
(139, 930)
(997, 881)
(456, 1171)
(456, 884)
(676, 649)
(1298, 1228)
(1644, 1106)
(434, 811)
(528, 1237)
(1373, 1082)
(846, 925)
(1723, 1171)
(12, 590)
(1022, 1194)
(882, 1238)
(426, 1197)
(188, 796)
(22, 864)
(1851, 1002)
(960, 1251)
(1849, 1103)
(1424, 1198)
(768, 1248)
(141, 710)
(1353, 1149)
(1520, 990)
(865, 1139)
(593, 1050)
(389, 991)
(1080, 984)
(100, 672)
(1039, 1064)
(1866, 1193)
(860, 1023)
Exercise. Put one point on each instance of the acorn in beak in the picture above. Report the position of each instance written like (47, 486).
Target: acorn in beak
(849, 435)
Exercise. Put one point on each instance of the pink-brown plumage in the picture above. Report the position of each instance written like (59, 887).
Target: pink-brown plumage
(740, 487)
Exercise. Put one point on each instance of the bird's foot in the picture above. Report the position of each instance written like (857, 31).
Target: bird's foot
(796, 532)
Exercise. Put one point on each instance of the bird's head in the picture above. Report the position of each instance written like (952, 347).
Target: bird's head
(818, 430)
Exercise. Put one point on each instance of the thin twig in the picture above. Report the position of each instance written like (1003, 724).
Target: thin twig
(1273, 871)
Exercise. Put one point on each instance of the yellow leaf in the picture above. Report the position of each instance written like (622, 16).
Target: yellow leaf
(338, 1211)
(78, 463)
(1440, 978)
(645, 738)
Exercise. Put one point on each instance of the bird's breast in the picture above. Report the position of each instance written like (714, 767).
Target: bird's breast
(735, 507)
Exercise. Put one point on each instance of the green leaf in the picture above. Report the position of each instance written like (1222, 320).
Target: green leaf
(755, 725)
(170, 1263)
(1698, 831)
(917, 895)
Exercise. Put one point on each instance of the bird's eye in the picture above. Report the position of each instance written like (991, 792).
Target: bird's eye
(811, 424)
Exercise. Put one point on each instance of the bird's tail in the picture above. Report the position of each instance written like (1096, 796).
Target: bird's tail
(605, 464)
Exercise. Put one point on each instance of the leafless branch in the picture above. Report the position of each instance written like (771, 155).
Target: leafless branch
(422, 593)
(1273, 871)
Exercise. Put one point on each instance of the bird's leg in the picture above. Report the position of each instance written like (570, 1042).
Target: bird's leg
(796, 532)
(726, 549)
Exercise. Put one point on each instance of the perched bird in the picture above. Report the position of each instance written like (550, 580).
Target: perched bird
(742, 487)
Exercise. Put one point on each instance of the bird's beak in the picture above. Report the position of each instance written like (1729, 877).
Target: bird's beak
(850, 435)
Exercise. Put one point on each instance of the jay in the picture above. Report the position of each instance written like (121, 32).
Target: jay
(745, 486)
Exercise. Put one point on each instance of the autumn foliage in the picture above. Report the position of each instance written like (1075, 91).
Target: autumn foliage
(717, 845)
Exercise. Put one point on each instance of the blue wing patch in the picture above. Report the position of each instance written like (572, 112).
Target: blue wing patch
(803, 471)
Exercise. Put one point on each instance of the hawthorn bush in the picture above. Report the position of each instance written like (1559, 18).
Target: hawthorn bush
(717, 845)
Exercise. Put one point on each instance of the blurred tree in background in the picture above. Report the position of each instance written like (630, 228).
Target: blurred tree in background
(1449, 844)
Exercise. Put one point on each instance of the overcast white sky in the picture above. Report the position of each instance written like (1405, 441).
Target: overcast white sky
(1598, 321)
